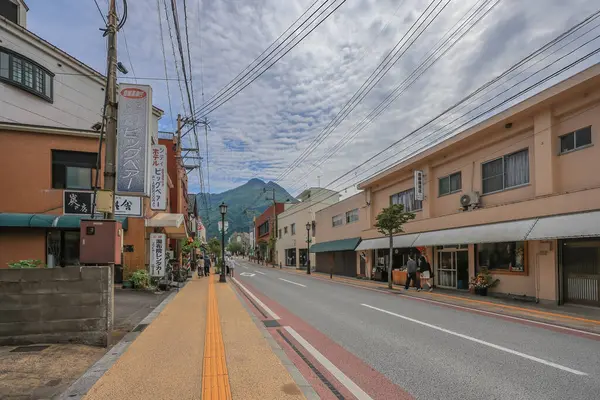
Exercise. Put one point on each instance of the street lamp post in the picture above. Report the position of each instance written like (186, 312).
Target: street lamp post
(223, 209)
(308, 248)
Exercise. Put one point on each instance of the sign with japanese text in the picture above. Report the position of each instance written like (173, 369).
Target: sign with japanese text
(79, 202)
(419, 185)
(128, 205)
(158, 173)
(133, 139)
(158, 260)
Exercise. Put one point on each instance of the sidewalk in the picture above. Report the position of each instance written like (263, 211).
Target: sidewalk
(203, 345)
(572, 317)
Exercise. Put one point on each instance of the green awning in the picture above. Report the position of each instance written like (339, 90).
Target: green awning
(17, 220)
(335, 245)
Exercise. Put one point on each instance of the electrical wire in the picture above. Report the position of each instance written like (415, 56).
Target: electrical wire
(100, 11)
(162, 46)
(174, 56)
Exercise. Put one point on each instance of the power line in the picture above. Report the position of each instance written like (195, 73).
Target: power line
(100, 11)
(444, 44)
(174, 56)
(162, 46)
(391, 58)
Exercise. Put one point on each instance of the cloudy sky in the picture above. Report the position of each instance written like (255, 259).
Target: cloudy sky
(284, 113)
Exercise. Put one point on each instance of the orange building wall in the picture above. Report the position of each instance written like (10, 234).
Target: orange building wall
(136, 236)
(22, 244)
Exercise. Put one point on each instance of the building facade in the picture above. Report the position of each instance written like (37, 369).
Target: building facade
(517, 193)
(264, 227)
(339, 231)
(292, 235)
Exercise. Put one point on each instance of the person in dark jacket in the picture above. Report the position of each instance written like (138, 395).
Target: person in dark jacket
(206, 266)
(426, 274)
(411, 273)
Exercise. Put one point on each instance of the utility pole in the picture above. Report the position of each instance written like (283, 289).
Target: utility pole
(110, 159)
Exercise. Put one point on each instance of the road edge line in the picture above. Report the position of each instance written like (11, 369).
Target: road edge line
(257, 300)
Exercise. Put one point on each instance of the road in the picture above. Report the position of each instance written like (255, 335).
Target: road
(373, 344)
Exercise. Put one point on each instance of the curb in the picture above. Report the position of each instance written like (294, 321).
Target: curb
(306, 389)
(84, 383)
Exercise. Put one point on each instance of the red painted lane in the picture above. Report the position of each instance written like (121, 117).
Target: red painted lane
(521, 320)
(368, 379)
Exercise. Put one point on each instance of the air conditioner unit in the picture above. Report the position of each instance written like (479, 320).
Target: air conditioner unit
(469, 200)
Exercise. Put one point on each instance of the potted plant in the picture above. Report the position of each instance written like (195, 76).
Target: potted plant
(480, 283)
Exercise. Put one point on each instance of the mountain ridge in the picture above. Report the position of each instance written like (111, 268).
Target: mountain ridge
(243, 203)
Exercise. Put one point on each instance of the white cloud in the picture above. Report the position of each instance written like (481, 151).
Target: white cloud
(263, 129)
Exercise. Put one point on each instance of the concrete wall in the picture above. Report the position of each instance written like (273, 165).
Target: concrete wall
(323, 218)
(58, 305)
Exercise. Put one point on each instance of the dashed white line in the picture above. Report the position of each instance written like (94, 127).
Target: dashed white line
(483, 342)
(258, 272)
(293, 283)
(339, 375)
(257, 300)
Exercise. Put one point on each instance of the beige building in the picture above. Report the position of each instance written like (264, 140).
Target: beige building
(291, 224)
(518, 193)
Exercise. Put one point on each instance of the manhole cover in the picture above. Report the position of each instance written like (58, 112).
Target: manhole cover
(29, 349)
(271, 323)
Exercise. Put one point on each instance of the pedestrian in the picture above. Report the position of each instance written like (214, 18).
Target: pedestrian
(411, 273)
(206, 266)
(426, 273)
(200, 268)
(231, 267)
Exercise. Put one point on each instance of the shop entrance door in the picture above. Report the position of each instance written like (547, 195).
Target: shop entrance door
(452, 268)
(581, 271)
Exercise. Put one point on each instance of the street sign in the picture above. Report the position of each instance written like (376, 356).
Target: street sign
(247, 274)
(133, 139)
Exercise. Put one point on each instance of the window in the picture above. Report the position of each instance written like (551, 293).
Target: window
(407, 198)
(505, 256)
(293, 228)
(450, 184)
(22, 72)
(506, 172)
(314, 229)
(338, 220)
(352, 216)
(576, 140)
(73, 170)
(9, 10)
(263, 229)
(285, 230)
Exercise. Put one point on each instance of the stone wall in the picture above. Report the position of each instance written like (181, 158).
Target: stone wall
(56, 305)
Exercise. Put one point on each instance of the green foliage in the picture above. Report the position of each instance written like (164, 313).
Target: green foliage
(214, 246)
(235, 247)
(243, 203)
(188, 247)
(483, 280)
(390, 220)
(27, 264)
(141, 279)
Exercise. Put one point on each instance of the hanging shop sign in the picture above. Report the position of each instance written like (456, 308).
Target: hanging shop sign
(158, 173)
(79, 202)
(133, 139)
(130, 206)
(158, 260)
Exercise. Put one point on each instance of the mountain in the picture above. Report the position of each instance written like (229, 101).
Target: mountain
(243, 203)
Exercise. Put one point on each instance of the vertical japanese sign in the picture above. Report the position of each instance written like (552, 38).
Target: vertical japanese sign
(419, 187)
(158, 186)
(158, 261)
(133, 139)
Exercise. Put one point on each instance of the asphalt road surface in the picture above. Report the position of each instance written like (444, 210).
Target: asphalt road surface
(368, 344)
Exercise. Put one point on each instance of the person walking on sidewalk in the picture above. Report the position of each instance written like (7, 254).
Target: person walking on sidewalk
(200, 267)
(411, 273)
(206, 266)
(426, 273)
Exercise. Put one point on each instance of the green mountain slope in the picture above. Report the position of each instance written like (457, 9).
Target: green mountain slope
(243, 203)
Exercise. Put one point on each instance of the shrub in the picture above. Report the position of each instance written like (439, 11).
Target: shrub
(27, 264)
(141, 279)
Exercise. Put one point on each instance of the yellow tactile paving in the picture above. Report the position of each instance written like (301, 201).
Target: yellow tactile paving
(215, 379)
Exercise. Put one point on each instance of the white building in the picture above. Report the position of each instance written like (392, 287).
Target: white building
(292, 234)
(41, 85)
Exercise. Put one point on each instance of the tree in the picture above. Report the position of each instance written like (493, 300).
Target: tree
(214, 247)
(389, 222)
(235, 247)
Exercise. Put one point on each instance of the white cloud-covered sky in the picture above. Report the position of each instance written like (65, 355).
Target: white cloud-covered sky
(262, 130)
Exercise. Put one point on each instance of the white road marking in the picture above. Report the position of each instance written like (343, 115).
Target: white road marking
(293, 283)
(247, 274)
(339, 375)
(257, 300)
(483, 342)
(258, 272)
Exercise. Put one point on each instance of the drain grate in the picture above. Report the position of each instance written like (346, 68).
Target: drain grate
(29, 349)
(271, 323)
(139, 327)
